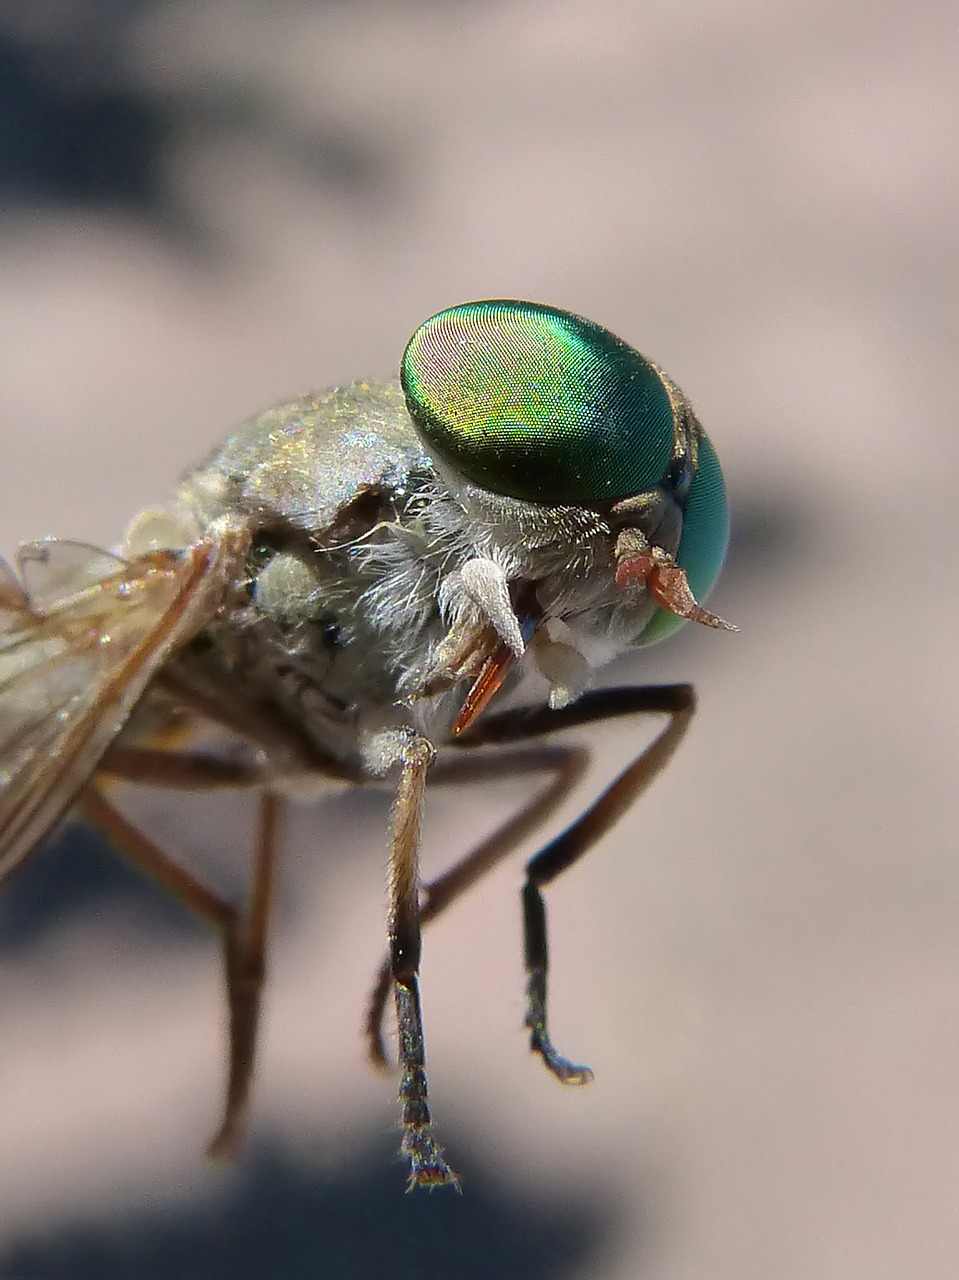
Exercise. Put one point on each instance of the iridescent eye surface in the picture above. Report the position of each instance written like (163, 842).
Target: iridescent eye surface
(538, 404)
(704, 538)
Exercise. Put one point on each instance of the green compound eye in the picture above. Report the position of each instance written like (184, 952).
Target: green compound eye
(704, 538)
(538, 404)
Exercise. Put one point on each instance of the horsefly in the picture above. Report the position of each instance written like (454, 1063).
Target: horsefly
(341, 589)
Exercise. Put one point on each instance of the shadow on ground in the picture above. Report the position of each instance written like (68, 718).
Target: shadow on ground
(280, 1219)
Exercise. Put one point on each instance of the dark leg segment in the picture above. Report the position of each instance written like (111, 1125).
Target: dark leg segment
(244, 936)
(678, 701)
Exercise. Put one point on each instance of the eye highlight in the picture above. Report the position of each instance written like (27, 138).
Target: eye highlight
(679, 478)
(535, 403)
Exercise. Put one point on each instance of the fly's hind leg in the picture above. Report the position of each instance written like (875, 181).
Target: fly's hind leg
(245, 947)
(243, 933)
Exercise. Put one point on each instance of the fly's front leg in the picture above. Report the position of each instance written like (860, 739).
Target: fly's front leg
(566, 765)
(428, 1167)
(678, 702)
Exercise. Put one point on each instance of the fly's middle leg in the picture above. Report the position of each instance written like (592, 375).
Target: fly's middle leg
(243, 932)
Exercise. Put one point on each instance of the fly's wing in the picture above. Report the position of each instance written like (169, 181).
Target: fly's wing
(81, 635)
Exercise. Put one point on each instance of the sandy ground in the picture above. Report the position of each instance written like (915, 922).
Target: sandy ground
(761, 965)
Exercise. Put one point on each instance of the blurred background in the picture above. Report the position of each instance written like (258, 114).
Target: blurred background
(210, 206)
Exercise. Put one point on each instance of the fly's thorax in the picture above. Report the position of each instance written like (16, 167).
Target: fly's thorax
(302, 463)
(325, 483)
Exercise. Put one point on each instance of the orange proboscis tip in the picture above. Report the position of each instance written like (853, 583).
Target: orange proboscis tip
(666, 582)
(491, 675)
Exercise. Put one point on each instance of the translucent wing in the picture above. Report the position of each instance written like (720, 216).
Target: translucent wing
(81, 635)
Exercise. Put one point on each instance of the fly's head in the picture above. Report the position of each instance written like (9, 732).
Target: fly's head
(596, 498)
